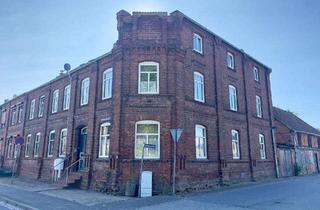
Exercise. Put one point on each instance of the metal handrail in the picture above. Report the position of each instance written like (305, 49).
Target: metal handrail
(64, 160)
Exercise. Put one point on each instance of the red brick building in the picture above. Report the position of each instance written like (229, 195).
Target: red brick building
(298, 143)
(165, 71)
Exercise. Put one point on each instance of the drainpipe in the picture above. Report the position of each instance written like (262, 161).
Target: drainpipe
(275, 150)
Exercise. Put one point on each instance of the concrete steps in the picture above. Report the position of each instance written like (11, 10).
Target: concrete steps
(74, 180)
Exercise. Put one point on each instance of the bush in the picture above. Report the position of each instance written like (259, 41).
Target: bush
(297, 169)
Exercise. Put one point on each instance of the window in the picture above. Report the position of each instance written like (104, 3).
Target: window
(230, 60)
(197, 43)
(198, 87)
(36, 145)
(318, 142)
(55, 101)
(235, 144)
(3, 118)
(10, 148)
(299, 139)
(85, 91)
(148, 78)
(201, 142)
(41, 106)
(13, 116)
(309, 141)
(262, 147)
(147, 132)
(20, 113)
(233, 101)
(104, 141)
(66, 97)
(16, 151)
(27, 146)
(52, 136)
(32, 108)
(256, 74)
(63, 143)
(107, 84)
(258, 106)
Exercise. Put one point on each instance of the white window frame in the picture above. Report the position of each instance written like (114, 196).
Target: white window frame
(36, 147)
(51, 142)
(235, 144)
(13, 116)
(259, 106)
(148, 63)
(63, 142)
(197, 40)
(197, 84)
(10, 148)
(104, 141)
(203, 140)
(107, 84)
(66, 97)
(256, 74)
(20, 113)
(3, 118)
(55, 101)
(233, 98)
(230, 60)
(41, 106)
(27, 146)
(32, 109)
(262, 147)
(147, 122)
(85, 90)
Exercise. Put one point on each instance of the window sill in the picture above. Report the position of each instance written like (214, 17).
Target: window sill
(232, 69)
(198, 52)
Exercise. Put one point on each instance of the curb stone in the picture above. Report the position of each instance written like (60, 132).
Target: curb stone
(17, 204)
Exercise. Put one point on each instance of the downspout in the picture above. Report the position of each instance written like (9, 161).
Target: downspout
(217, 106)
(274, 144)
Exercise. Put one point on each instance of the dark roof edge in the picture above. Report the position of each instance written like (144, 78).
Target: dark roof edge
(81, 66)
(214, 34)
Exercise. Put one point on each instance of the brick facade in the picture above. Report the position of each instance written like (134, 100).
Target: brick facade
(166, 40)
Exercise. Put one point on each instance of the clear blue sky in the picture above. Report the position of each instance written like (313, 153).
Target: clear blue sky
(37, 37)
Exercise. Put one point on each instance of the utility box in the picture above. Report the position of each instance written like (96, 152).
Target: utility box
(146, 184)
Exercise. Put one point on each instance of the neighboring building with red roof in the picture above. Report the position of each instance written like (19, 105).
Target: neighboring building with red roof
(298, 143)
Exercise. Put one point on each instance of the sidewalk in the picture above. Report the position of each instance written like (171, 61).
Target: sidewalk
(32, 194)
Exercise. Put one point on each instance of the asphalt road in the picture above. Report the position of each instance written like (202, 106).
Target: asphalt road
(290, 193)
(293, 193)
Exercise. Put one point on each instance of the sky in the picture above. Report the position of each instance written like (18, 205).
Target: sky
(37, 37)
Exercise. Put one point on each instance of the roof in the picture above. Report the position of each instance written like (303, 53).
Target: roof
(293, 122)
(64, 75)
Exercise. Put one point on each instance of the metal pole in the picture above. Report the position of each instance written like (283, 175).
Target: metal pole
(141, 169)
(174, 166)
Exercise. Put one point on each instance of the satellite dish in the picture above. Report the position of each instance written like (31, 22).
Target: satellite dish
(67, 67)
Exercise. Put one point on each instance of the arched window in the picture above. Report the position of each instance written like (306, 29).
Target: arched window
(85, 85)
(233, 101)
(148, 78)
(104, 140)
(52, 136)
(235, 144)
(201, 142)
(63, 142)
(107, 84)
(198, 87)
(147, 132)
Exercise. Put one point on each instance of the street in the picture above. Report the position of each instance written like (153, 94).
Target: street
(288, 193)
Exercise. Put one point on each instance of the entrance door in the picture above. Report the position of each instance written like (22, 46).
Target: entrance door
(81, 150)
